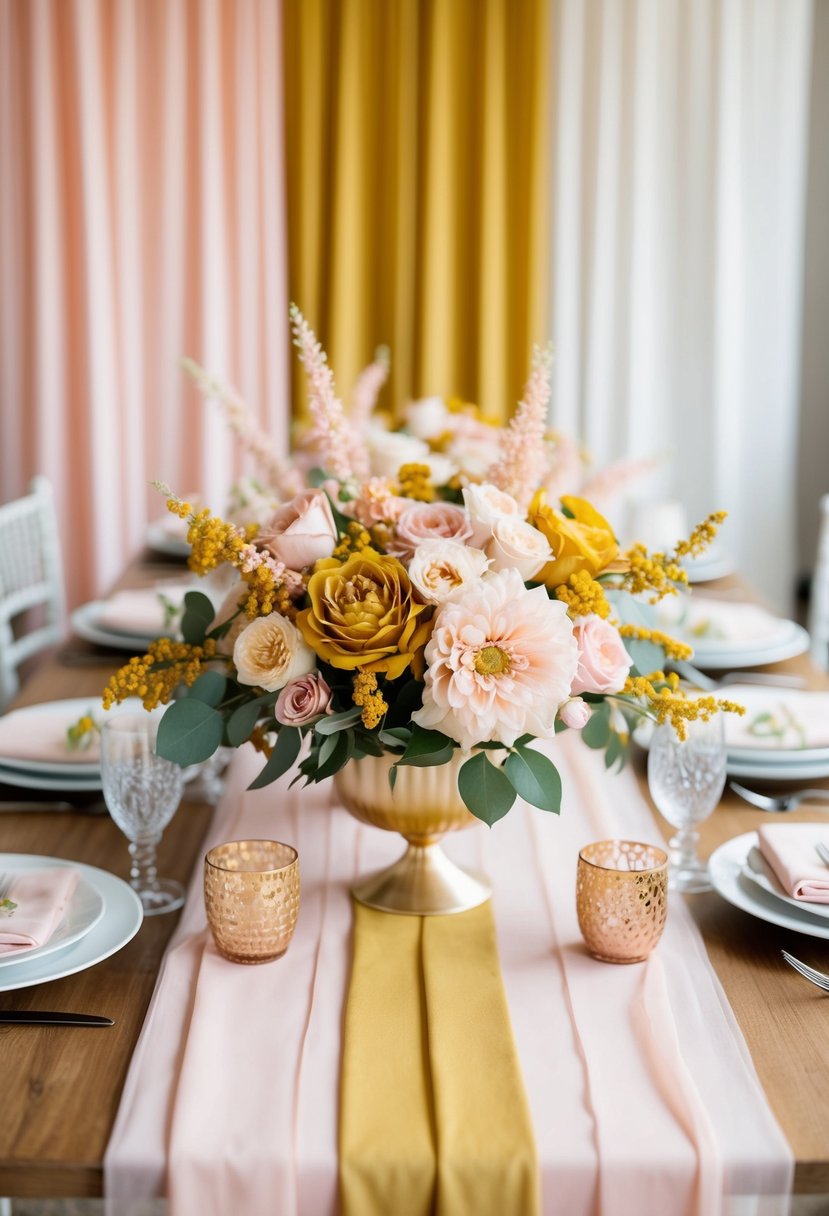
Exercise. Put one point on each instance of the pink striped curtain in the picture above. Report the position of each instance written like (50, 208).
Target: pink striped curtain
(141, 219)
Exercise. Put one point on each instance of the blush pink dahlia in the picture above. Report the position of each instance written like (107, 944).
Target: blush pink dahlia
(501, 660)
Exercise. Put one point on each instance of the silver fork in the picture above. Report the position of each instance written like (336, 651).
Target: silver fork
(781, 802)
(5, 885)
(809, 973)
(823, 852)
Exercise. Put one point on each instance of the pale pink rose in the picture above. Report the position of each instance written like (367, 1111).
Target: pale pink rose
(428, 521)
(486, 504)
(439, 568)
(501, 660)
(516, 543)
(303, 700)
(575, 713)
(603, 661)
(271, 652)
(301, 531)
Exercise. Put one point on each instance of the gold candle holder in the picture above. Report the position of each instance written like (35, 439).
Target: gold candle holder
(621, 899)
(251, 894)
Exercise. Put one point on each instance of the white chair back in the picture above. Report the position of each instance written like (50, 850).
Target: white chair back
(31, 576)
(819, 598)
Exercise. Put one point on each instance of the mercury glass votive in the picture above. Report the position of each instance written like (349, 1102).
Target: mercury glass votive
(251, 893)
(621, 899)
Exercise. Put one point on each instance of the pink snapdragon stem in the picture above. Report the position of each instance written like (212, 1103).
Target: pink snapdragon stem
(520, 468)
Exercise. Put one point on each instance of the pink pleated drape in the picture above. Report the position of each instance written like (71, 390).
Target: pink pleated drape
(141, 219)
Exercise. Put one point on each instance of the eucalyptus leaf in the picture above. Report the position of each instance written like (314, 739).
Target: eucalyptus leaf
(340, 753)
(331, 723)
(534, 778)
(209, 688)
(647, 656)
(241, 722)
(285, 752)
(189, 731)
(398, 736)
(596, 733)
(427, 748)
(485, 789)
(198, 615)
(613, 750)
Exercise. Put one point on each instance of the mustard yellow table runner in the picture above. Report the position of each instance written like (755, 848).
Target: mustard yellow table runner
(433, 1115)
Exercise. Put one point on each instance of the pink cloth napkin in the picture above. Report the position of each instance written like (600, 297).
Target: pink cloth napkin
(24, 737)
(789, 848)
(141, 610)
(641, 1089)
(42, 897)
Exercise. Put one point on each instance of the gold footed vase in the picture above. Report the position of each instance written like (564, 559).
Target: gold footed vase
(423, 807)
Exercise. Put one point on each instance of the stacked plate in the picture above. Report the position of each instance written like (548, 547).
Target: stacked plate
(104, 913)
(130, 620)
(44, 763)
(740, 874)
(714, 562)
(168, 535)
(783, 736)
(727, 634)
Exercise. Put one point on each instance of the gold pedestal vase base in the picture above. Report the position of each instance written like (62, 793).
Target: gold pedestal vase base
(423, 807)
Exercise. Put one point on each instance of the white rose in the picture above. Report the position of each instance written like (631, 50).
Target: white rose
(270, 652)
(427, 418)
(475, 453)
(485, 504)
(388, 450)
(516, 543)
(440, 567)
(441, 468)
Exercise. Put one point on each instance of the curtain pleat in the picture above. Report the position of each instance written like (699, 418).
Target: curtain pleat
(141, 220)
(418, 145)
(680, 145)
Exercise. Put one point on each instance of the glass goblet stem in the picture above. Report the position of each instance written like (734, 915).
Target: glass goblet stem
(683, 849)
(143, 872)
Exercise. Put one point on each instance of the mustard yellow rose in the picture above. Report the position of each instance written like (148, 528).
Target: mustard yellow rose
(363, 614)
(585, 542)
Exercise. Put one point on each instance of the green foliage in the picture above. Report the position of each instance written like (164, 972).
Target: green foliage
(282, 757)
(485, 789)
(427, 748)
(534, 778)
(189, 732)
(197, 618)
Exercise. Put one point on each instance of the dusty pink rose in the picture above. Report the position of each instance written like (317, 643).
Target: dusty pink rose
(603, 661)
(501, 659)
(428, 521)
(303, 700)
(575, 713)
(300, 531)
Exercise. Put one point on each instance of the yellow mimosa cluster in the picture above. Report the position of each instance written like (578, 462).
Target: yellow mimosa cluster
(367, 695)
(674, 649)
(155, 676)
(583, 595)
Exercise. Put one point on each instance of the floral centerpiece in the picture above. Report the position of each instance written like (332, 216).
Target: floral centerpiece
(430, 611)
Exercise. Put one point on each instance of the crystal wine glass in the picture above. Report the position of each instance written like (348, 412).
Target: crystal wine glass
(686, 780)
(142, 791)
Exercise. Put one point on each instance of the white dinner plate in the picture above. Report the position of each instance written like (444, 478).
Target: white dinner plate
(86, 908)
(714, 563)
(119, 924)
(725, 868)
(788, 640)
(44, 781)
(758, 870)
(74, 708)
(162, 541)
(86, 624)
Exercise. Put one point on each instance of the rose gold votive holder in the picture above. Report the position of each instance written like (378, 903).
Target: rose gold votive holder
(621, 899)
(251, 893)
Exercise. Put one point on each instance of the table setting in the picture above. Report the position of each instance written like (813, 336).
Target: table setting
(430, 950)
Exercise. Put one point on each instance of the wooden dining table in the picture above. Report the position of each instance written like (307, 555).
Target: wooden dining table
(60, 1086)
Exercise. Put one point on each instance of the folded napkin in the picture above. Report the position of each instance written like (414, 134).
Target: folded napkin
(433, 1112)
(785, 719)
(142, 610)
(708, 620)
(789, 848)
(43, 738)
(42, 897)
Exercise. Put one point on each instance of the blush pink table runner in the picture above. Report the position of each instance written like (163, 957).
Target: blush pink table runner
(643, 1095)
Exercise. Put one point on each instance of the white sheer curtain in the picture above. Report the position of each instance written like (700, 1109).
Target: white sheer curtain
(680, 140)
(141, 219)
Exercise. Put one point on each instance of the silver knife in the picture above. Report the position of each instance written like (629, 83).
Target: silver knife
(36, 1017)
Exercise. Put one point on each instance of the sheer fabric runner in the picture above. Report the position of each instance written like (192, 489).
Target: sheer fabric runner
(641, 1090)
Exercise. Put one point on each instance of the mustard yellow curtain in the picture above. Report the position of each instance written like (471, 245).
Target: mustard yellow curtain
(417, 146)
